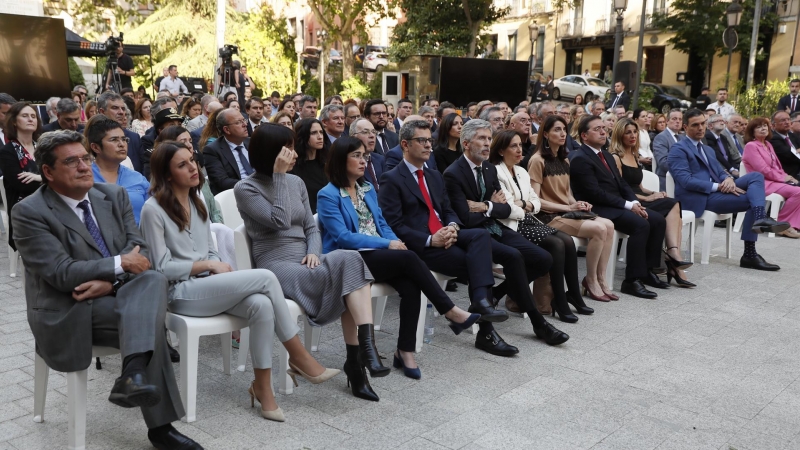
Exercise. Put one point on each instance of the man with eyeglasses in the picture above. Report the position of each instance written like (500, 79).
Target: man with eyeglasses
(111, 105)
(363, 130)
(375, 111)
(520, 123)
(68, 117)
(88, 282)
(351, 114)
(395, 155)
(713, 138)
(493, 115)
(227, 159)
(786, 149)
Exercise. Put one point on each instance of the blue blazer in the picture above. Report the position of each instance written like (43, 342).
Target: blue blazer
(693, 175)
(339, 221)
(395, 155)
(378, 164)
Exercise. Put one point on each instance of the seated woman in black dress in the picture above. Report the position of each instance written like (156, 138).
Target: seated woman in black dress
(448, 142)
(311, 152)
(625, 149)
(352, 220)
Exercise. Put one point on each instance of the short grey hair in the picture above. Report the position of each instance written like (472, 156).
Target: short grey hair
(561, 106)
(51, 103)
(596, 102)
(471, 127)
(672, 111)
(425, 110)
(159, 103)
(327, 110)
(105, 97)
(532, 108)
(485, 114)
(354, 125)
(6, 99)
(66, 106)
(542, 105)
(715, 117)
(411, 126)
(305, 99)
(205, 101)
(50, 141)
(80, 86)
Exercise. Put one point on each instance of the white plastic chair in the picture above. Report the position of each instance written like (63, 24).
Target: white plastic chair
(312, 334)
(774, 203)
(708, 219)
(582, 243)
(651, 183)
(13, 256)
(227, 206)
(76, 397)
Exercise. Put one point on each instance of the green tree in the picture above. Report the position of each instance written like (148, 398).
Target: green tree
(75, 74)
(698, 26)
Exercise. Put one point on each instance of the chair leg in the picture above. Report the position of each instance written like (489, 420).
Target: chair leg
(173, 339)
(421, 322)
(728, 236)
(611, 269)
(189, 348)
(12, 262)
(225, 340)
(692, 230)
(708, 228)
(312, 336)
(739, 221)
(623, 252)
(285, 385)
(244, 348)
(378, 308)
(76, 406)
(42, 374)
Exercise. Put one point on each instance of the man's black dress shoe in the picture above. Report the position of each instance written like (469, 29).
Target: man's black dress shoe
(769, 225)
(488, 314)
(550, 334)
(757, 263)
(494, 344)
(652, 280)
(132, 391)
(720, 223)
(636, 289)
(451, 286)
(171, 439)
(174, 355)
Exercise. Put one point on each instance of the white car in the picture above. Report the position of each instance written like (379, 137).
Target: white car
(572, 85)
(376, 61)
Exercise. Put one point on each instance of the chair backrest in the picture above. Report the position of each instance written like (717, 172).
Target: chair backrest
(3, 195)
(227, 206)
(242, 246)
(742, 170)
(670, 186)
(319, 224)
(650, 181)
(655, 163)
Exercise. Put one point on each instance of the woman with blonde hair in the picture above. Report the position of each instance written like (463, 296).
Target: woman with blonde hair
(210, 132)
(283, 118)
(625, 150)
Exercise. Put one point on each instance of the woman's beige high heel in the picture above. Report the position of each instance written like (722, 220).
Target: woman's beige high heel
(275, 415)
(294, 371)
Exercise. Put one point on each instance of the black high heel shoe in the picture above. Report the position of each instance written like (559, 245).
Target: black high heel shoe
(672, 273)
(576, 300)
(680, 265)
(564, 313)
(357, 379)
(368, 354)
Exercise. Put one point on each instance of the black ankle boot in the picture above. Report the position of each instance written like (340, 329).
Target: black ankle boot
(368, 353)
(357, 377)
(562, 309)
(576, 300)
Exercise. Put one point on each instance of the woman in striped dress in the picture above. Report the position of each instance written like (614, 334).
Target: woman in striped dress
(275, 209)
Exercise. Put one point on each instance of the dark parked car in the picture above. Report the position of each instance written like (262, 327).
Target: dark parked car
(311, 57)
(666, 98)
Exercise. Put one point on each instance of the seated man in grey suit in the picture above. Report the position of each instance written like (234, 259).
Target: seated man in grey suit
(663, 142)
(87, 283)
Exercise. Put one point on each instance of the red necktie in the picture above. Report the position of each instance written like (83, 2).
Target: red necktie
(605, 163)
(372, 172)
(434, 224)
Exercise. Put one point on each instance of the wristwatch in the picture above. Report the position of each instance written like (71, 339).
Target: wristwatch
(487, 203)
(454, 225)
(115, 287)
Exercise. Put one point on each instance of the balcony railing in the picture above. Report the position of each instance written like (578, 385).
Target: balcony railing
(571, 28)
(577, 27)
(602, 26)
(522, 8)
(648, 19)
(564, 29)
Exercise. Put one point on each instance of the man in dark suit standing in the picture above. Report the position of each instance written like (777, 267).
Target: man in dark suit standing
(227, 159)
(404, 109)
(363, 130)
(254, 109)
(376, 112)
(785, 148)
(702, 184)
(594, 178)
(713, 138)
(416, 207)
(619, 98)
(111, 105)
(87, 283)
(477, 198)
(68, 115)
(791, 103)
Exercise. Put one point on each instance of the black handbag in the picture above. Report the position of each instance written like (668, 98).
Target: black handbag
(533, 229)
(580, 215)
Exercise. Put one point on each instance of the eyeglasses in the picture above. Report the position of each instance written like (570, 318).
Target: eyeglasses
(358, 156)
(353, 117)
(366, 132)
(598, 129)
(238, 122)
(423, 141)
(496, 120)
(118, 139)
(524, 121)
(74, 161)
(380, 113)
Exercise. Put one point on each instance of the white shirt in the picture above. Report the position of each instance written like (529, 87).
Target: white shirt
(644, 144)
(73, 204)
(472, 167)
(233, 146)
(174, 86)
(791, 145)
(628, 204)
(726, 109)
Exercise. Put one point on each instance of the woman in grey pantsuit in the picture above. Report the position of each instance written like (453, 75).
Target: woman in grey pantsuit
(175, 223)
(276, 213)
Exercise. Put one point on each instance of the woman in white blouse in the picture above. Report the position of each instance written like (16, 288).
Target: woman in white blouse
(505, 154)
(642, 118)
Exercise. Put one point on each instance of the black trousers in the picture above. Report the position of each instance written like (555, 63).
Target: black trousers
(646, 237)
(565, 264)
(404, 271)
(467, 260)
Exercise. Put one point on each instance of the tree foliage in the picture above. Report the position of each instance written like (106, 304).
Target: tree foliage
(443, 27)
(698, 26)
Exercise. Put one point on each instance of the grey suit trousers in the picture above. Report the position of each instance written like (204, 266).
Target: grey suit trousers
(133, 321)
(255, 295)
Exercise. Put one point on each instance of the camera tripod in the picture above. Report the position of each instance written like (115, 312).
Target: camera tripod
(111, 65)
(226, 76)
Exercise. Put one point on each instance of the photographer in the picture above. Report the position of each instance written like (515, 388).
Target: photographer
(124, 66)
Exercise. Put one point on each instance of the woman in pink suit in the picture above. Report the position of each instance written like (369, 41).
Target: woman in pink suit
(759, 156)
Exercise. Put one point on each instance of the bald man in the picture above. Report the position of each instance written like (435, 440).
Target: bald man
(521, 124)
(395, 155)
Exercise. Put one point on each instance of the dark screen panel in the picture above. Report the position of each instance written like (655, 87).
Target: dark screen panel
(465, 80)
(33, 58)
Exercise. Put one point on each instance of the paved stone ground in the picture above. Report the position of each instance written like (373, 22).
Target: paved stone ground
(715, 367)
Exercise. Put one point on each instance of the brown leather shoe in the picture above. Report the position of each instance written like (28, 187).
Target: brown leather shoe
(511, 306)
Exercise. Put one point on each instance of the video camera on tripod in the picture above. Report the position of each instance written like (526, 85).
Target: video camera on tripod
(226, 70)
(111, 45)
(226, 53)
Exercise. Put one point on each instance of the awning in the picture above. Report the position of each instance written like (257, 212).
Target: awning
(78, 46)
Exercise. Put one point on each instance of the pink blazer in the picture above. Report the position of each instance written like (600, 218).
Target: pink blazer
(761, 158)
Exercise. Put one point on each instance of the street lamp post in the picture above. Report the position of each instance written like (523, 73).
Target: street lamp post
(619, 7)
(298, 48)
(321, 35)
(533, 31)
(729, 37)
(639, 51)
(751, 65)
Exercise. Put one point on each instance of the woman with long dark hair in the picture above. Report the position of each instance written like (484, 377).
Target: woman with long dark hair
(448, 143)
(311, 156)
(176, 227)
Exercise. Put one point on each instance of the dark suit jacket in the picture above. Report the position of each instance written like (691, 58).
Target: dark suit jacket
(625, 100)
(378, 164)
(221, 167)
(726, 163)
(59, 253)
(404, 208)
(148, 144)
(397, 125)
(395, 156)
(195, 134)
(392, 140)
(462, 186)
(790, 163)
(785, 104)
(55, 126)
(592, 182)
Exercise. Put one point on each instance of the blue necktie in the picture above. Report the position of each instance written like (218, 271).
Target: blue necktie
(243, 160)
(93, 230)
(722, 148)
(738, 146)
(705, 160)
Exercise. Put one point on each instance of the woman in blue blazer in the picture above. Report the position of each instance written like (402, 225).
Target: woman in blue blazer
(351, 219)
